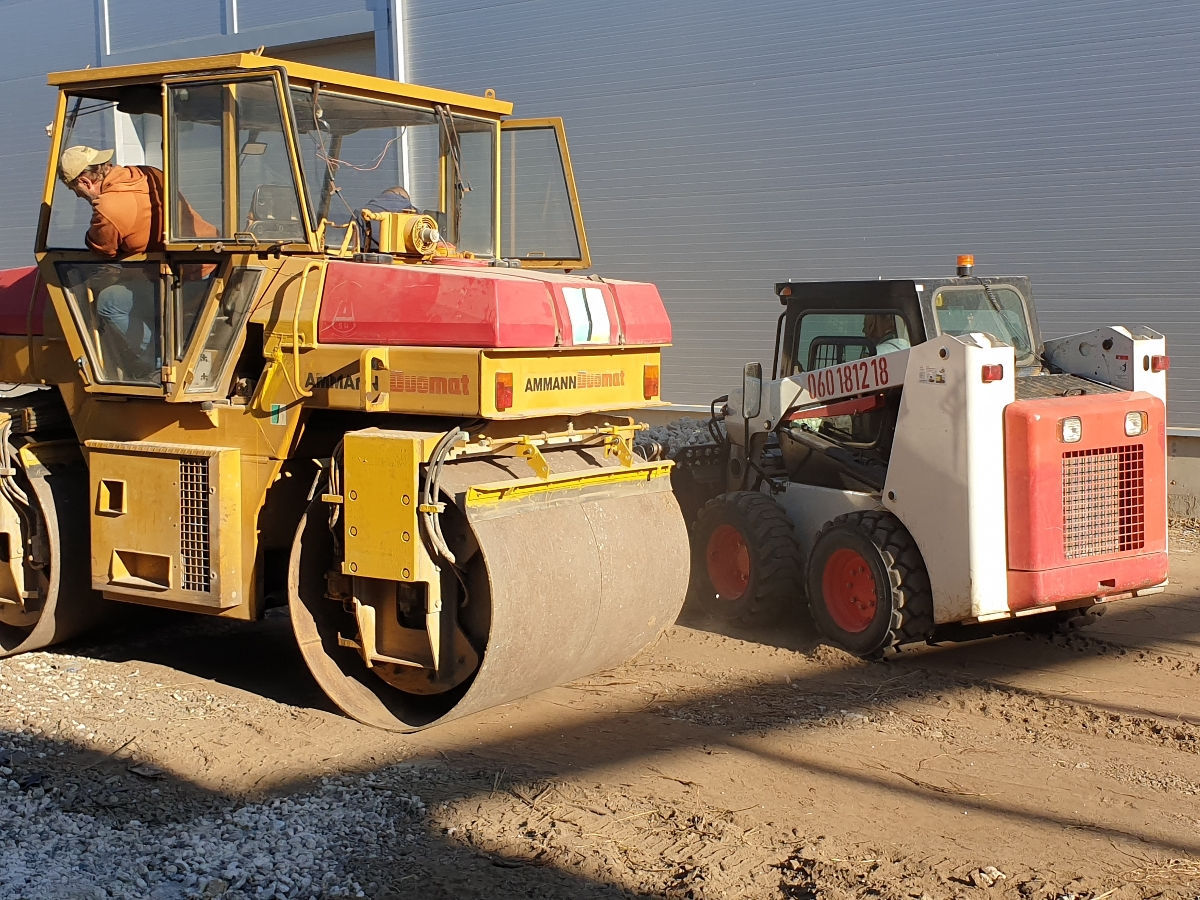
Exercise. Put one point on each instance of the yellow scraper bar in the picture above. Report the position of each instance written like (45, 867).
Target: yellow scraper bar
(502, 491)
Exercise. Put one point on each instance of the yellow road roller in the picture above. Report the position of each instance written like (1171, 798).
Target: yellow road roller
(298, 336)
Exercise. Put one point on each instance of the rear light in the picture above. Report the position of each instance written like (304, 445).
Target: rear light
(994, 372)
(1135, 423)
(650, 382)
(1160, 363)
(1070, 429)
(504, 391)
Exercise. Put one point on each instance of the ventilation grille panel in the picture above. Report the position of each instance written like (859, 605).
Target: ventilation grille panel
(1104, 501)
(194, 534)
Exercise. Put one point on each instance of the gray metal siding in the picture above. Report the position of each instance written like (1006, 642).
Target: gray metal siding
(724, 148)
(54, 35)
(33, 33)
(131, 29)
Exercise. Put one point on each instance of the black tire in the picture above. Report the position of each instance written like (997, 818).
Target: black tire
(744, 557)
(884, 598)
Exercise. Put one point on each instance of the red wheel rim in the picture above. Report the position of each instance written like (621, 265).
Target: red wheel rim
(849, 590)
(728, 559)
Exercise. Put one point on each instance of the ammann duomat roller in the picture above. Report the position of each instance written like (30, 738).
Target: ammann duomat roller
(344, 374)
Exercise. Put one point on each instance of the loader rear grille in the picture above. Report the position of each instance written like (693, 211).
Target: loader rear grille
(1104, 493)
(193, 524)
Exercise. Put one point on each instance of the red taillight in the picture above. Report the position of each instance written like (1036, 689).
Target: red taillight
(504, 391)
(1160, 363)
(994, 372)
(650, 382)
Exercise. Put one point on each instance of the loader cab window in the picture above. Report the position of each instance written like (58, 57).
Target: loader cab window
(230, 165)
(829, 338)
(352, 150)
(1000, 311)
(127, 121)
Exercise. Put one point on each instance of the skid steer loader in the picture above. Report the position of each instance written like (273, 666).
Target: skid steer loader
(397, 420)
(921, 465)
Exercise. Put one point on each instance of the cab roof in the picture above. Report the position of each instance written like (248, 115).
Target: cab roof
(298, 73)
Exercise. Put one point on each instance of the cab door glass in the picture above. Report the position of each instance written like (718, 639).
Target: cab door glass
(198, 178)
(234, 307)
(117, 308)
(230, 164)
(191, 283)
(829, 339)
(268, 196)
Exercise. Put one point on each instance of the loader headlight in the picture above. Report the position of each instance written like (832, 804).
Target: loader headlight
(1070, 429)
(1135, 423)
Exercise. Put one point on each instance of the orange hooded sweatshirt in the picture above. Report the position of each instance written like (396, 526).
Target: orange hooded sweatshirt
(127, 216)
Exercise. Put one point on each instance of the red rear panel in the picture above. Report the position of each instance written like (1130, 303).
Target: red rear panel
(1085, 519)
(465, 304)
(16, 290)
(641, 312)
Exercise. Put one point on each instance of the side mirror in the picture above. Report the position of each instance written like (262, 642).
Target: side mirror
(752, 390)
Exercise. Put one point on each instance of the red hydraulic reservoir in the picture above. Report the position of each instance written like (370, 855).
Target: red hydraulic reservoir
(1086, 496)
(469, 305)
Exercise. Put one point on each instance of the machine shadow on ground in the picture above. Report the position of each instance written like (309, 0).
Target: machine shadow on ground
(566, 746)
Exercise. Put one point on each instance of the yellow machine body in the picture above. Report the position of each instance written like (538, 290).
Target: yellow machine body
(220, 451)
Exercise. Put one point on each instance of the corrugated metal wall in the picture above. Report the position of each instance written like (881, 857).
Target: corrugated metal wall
(33, 35)
(719, 147)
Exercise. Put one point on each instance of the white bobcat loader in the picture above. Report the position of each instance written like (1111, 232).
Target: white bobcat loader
(977, 479)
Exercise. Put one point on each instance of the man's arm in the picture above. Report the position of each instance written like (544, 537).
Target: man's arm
(102, 236)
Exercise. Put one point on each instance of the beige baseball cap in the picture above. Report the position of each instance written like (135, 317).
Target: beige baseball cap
(75, 159)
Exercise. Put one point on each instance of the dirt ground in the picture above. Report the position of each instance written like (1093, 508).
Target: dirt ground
(718, 763)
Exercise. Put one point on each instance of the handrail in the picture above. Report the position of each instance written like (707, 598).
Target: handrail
(311, 266)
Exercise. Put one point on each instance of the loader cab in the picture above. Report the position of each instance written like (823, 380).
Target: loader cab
(828, 323)
(262, 169)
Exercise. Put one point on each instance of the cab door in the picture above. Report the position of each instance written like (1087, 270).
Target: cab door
(540, 221)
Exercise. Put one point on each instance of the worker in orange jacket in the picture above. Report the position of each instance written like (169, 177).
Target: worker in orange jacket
(127, 218)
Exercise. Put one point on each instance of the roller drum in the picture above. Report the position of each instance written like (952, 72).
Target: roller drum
(562, 585)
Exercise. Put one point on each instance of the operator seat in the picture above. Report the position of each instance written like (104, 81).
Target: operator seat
(275, 213)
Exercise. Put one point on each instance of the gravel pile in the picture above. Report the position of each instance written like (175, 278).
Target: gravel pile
(78, 823)
(299, 846)
(684, 432)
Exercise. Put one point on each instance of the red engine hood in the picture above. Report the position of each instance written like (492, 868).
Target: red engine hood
(463, 304)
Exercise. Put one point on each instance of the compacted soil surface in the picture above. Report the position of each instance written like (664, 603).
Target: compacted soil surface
(172, 756)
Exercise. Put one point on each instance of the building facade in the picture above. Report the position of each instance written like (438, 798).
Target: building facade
(721, 147)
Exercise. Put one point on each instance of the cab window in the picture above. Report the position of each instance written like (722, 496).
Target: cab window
(353, 150)
(230, 164)
(127, 121)
(829, 338)
(999, 311)
(118, 311)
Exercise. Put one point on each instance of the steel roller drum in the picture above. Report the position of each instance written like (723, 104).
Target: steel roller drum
(59, 499)
(563, 584)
